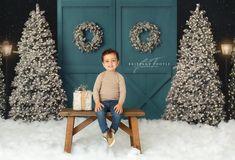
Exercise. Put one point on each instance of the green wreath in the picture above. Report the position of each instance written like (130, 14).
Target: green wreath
(152, 41)
(81, 41)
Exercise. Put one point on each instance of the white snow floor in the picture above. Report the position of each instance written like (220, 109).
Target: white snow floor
(160, 140)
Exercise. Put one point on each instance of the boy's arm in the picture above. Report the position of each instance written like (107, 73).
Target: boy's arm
(96, 93)
(122, 88)
(96, 89)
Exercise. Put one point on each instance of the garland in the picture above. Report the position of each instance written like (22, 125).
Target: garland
(152, 41)
(81, 41)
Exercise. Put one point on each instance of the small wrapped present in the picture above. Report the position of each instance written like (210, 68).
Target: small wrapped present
(82, 99)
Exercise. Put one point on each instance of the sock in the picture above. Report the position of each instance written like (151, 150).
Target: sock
(113, 130)
(105, 134)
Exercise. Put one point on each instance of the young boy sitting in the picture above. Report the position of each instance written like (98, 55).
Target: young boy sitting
(109, 94)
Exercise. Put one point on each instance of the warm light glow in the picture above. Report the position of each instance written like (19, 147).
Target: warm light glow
(227, 49)
(6, 48)
(233, 44)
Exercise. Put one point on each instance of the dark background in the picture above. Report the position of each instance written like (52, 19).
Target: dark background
(14, 13)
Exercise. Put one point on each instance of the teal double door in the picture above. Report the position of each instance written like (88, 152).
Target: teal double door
(148, 75)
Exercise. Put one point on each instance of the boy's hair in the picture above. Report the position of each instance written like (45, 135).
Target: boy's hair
(108, 51)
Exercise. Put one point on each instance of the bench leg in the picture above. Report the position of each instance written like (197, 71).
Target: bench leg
(130, 126)
(135, 138)
(69, 134)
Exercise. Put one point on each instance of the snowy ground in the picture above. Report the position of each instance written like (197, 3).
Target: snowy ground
(161, 140)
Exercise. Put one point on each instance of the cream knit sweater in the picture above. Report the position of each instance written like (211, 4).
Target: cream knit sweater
(109, 85)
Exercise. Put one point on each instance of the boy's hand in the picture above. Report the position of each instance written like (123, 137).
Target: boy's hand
(118, 108)
(98, 106)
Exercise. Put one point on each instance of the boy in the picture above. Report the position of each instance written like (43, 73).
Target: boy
(109, 94)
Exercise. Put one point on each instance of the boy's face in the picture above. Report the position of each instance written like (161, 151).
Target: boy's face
(110, 62)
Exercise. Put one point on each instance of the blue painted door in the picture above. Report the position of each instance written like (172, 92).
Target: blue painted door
(147, 75)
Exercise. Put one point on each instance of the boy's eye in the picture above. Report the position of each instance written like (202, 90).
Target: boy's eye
(106, 61)
(113, 60)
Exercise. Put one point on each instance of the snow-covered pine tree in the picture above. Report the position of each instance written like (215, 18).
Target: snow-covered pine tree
(2, 92)
(231, 91)
(195, 95)
(38, 94)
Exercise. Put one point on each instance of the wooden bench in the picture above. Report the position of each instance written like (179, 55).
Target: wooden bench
(132, 130)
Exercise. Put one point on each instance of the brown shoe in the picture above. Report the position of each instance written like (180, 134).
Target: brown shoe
(110, 138)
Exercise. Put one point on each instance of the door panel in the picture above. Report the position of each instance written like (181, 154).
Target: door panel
(147, 85)
(78, 67)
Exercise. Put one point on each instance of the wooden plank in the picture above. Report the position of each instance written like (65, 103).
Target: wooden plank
(83, 124)
(128, 112)
(69, 135)
(135, 133)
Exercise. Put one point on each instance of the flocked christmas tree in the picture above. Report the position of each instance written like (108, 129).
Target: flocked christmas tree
(37, 93)
(195, 95)
(2, 92)
(231, 91)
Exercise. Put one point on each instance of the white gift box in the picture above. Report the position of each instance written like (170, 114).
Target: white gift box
(82, 100)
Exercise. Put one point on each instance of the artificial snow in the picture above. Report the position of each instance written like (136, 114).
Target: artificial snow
(160, 140)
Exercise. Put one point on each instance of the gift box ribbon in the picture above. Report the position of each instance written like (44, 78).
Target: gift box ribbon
(83, 100)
